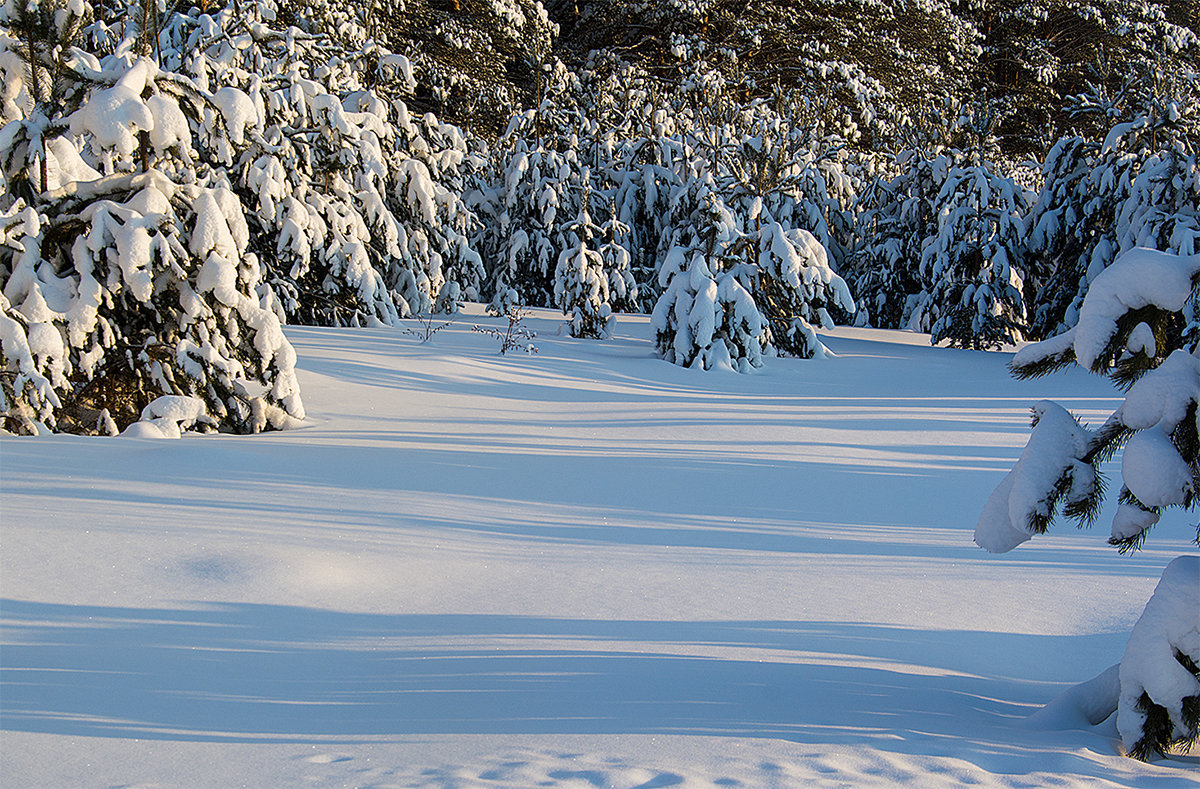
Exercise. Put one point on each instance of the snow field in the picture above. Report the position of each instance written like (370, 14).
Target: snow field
(581, 568)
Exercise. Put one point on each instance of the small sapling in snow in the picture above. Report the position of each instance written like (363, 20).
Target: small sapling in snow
(426, 327)
(516, 336)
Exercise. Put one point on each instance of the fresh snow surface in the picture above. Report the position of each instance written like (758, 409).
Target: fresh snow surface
(582, 568)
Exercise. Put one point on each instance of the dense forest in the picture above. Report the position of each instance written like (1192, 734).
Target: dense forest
(180, 180)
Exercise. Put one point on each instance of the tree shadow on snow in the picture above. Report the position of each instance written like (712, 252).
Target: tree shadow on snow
(260, 673)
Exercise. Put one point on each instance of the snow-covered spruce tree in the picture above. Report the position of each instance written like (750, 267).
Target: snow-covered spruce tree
(434, 161)
(125, 273)
(551, 161)
(648, 199)
(1131, 327)
(896, 214)
(526, 211)
(623, 289)
(794, 287)
(1138, 186)
(973, 268)
(580, 283)
(643, 162)
(357, 212)
(885, 258)
(705, 318)
(785, 157)
(778, 179)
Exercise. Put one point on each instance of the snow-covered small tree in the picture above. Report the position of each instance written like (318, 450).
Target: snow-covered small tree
(124, 267)
(356, 207)
(973, 267)
(794, 287)
(707, 321)
(622, 287)
(526, 211)
(1130, 327)
(896, 216)
(580, 283)
(706, 318)
(791, 189)
(123, 288)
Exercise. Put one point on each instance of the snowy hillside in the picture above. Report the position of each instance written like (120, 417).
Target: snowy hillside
(581, 568)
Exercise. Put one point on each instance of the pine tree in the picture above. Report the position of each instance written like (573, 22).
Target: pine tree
(1129, 328)
(705, 318)
(883, 272)
(125, 270)
(357, 206)
(973, 267)
(1138, 186)
(623, 289)
(528, 208)
(580, 283)
(896, 215)
(794, 288)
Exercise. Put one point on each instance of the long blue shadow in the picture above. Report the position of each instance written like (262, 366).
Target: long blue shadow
(249, 672)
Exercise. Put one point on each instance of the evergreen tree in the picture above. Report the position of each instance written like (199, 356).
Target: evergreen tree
(896, 214)
(1138, 186)
(1129, 329)
(125, 270)
(973, 268)
(622, 287)
(705, 317)
(794, 287)
(884, 264)
(357, 208)
(580, 283)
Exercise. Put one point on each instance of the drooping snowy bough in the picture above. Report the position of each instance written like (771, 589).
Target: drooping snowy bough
(1137, 324)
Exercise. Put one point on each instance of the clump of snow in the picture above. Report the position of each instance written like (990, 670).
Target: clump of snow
(238, 112)
(1130, 521)
(170, 129)
(112, 117)
(1153, 470)
(1053, 347)
(1163, 395)
(1086, 704)
(20, 357)
(1023, 502)
(168, 416)
(65, 166)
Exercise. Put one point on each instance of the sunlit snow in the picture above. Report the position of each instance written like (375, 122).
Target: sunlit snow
(584, 567)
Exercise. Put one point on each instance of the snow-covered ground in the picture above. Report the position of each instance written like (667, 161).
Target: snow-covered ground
(581, 568)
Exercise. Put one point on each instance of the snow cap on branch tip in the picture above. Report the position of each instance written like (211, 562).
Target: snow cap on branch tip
(1050, 468)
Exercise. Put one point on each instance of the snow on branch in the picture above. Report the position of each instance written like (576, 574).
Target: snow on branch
(1054, 467)
(1159, 706)
(1125, 319)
